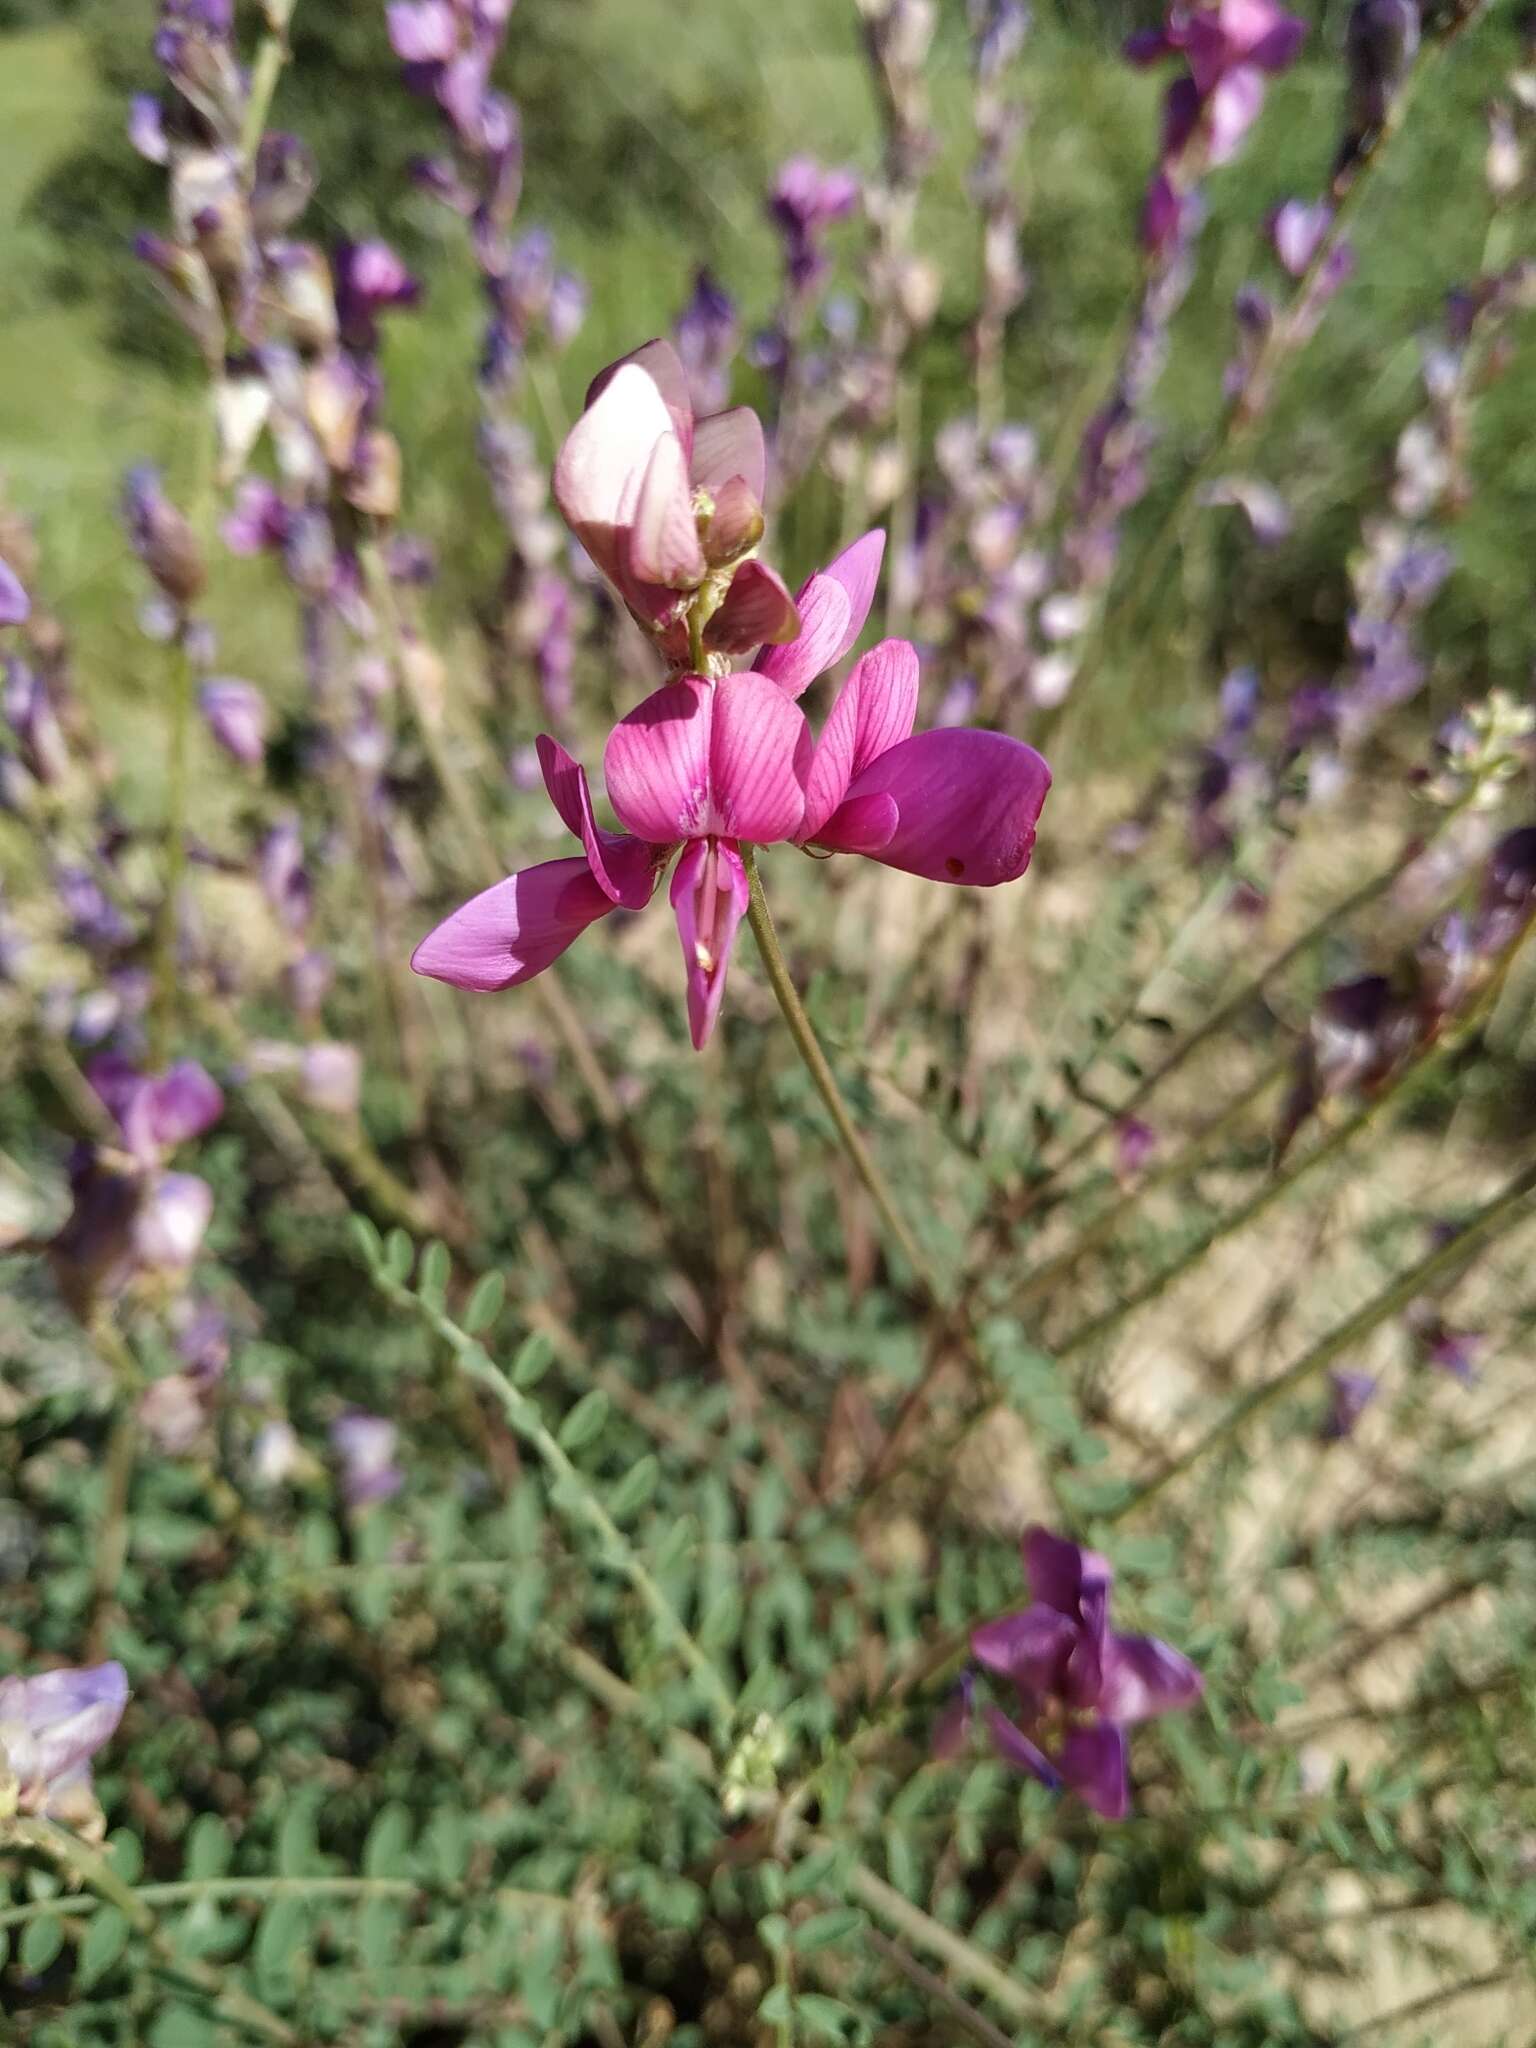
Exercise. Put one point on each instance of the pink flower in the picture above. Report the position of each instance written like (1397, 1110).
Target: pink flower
(705, 767)
(665, 504)
(1079, 1683)
(1230, 48)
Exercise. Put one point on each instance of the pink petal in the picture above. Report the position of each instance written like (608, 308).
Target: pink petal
(709, 896)
(828, 630)
(14, 604)
(730, 444)
(658, 362)
(1015, 1747)
(656, 763)
(1031, 1647)
(823, 608)
(664, 539)
(865, 824)
(873, 713)
(623, 867)
(857, 568)
(515, 929)
(1093, 1762)
(602, 464)
(1144, 1677)
(759, 754)
(969, 801)
(757, 607)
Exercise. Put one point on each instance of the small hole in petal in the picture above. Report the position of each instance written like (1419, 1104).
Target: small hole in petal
(954, 867)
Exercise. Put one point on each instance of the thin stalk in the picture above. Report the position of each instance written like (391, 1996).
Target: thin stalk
(268, 68)
(571, 1492)
(1510, 1206)
(1410, 1078)
(803, 1032)
(90, 1868)
(168, 924)
(1218, 1020)
(1102, 1226)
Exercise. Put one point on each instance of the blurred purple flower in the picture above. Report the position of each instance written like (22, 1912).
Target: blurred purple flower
(1079, 1683)
(706, 335)
(15, 606)
(161, 537)
(1296, 233)
(1351, 1393)
(1135, 1144)
(50, 1728)
(370, 279)
(1381, 41)
(237, 718)
(365, 1444)
(803, 202)
(284, 878)
(157, 1112)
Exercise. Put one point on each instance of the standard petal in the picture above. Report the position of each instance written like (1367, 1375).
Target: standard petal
(759, 755)
(1059, 1570)
(70, 1714)
(657, 763)
(602, 464)
(514, 929)
(1144, 1677)
(709, 896)
(1030, 1647)
(658, 362)
(873, 713)
(664, 539)
(757, 607)
(1093, 1762)
(969, 801)
(728, 444)
(624, 867)
(857, 568)
(794, 666)
(1015, 1747)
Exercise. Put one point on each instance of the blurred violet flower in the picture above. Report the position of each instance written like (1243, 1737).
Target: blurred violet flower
(157, 1112)
(1296, 233)
(161, 537)
(704, 767)
(1080, 1685)
(236, 713)
(1350, 1393)
(50, 1728)
(15, 607)
(365, 1445)
(1136, 1144)
(370, 279)
(803, 202)
(706, 335)
(284, 878)
(1381, 40)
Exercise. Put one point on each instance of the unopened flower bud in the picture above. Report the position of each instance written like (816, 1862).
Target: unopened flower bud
(161, 538)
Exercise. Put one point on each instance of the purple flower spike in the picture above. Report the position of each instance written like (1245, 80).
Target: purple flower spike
(1076, 1679)
(50, 1728)
(237, 718)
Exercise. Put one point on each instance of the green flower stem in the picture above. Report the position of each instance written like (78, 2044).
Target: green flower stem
(571, 1492)
(88, 1867)
(168, 924)
(193, 1891)
(268, 68)
(1512, 1205)
(809, 1048)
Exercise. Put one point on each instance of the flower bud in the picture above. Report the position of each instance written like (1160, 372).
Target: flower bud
(236, 713)
(162, 539)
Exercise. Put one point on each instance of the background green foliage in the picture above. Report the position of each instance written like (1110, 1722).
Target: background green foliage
(423, 1773)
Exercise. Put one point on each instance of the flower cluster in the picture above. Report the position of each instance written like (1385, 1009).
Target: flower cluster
(1079, 1684)
(670, 510)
